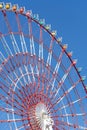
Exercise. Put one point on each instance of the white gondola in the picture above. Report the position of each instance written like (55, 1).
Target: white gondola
(36, 16)
(22, 10)
(65, 46)
(54, 32)
(59, 40)
(79, 69)
(70, 53)
(29, 13)
(74, 61)
(42, 21)
(83, 78)
(48, 27)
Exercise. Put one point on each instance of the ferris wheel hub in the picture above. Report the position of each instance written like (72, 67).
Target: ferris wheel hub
(43, 117)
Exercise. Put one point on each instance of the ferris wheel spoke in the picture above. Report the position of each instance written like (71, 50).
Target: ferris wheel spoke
(41, 60)
(70, 125)
(48, 62)
(22, 39)
(41, 45)
(23, 44)
(22, 74)
(72, 103)
(7, 110)
(50, 53)
(66, 93)
(23, 96)
(20, 108)
(55, 72)
(10, 111)
(14, 120)
(13, 81)
(9, 77)
(32, 46)
(69, 90)
(16, 112)
(2, 57)
(71, 115)
(61, 82)
(39, 64)
(11, 34)
(77, 126)
(7, 49)
(20, 97)
(14, 43)
(23, 126)
(32, 71)
(61, 125)
(34, 63)
(24, 92)
(12, 68)
(26, 68)
(20, 70)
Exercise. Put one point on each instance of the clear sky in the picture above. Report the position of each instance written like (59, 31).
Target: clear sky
(69, 18)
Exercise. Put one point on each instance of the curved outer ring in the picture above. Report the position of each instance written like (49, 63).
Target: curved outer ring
(48, 31)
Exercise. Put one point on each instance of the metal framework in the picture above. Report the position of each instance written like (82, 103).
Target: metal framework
(40, 86)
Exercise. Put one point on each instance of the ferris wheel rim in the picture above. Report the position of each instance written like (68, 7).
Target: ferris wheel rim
(54, 37)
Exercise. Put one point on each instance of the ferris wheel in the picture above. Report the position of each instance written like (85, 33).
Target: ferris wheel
(40, 85)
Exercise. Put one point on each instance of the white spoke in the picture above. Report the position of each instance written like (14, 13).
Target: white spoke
(68, 91)
(14, 43)
(61, 82)
(50, 53)
(71, 103)
(23, 44)
(8, 51)
(56, 70)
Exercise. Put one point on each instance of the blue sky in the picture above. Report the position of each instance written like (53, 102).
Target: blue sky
(69, 18)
